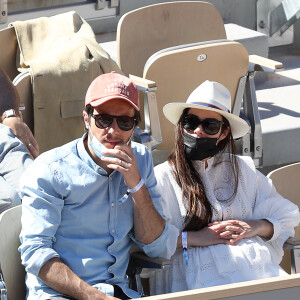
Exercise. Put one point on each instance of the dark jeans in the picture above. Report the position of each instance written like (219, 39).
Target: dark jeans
(118, 293)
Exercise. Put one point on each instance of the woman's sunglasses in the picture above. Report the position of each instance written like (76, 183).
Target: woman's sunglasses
(104, 120)
(210, 126)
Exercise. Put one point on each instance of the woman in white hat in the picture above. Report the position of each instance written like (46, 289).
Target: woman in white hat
(227, 222)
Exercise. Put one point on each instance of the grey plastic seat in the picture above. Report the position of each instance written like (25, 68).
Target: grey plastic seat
(10, 259)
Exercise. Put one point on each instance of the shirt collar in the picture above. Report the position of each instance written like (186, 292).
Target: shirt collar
(84, 156)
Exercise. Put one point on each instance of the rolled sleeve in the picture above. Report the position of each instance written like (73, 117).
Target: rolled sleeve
(276, 229)
(34, 261)
(157, 247)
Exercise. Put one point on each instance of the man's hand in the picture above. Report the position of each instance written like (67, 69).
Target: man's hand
(123, 161)
(146, 229)
(22, 131)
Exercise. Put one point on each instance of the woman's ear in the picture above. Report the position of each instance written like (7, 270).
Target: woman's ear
(224, 134)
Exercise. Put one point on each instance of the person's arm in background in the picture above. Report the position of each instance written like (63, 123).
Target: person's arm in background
(14, 159)
(10, 100)
(22, 132)
(8, 195)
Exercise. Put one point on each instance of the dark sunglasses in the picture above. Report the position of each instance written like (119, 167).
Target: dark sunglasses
(210, 126)
(104, 120)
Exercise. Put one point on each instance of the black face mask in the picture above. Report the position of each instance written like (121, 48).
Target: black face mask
(199, 148)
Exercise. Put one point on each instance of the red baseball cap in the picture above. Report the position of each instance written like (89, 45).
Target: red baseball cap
(110, 86)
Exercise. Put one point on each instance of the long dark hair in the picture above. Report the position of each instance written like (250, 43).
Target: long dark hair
(199, 210)
(9, 97)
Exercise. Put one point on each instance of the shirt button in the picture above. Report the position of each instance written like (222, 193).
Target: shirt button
(109, 269)
(113, 231)
(112, 204)
(110, 178)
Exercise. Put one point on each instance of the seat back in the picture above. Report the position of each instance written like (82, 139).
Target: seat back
(286, 182)
(178, 71)
(8, 52)
(146, 30)
(10, 260)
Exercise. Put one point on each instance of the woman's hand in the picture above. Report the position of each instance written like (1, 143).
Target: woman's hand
(207, 236)
(235, 230)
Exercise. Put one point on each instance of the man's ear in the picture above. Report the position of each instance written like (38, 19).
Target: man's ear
(86, 120)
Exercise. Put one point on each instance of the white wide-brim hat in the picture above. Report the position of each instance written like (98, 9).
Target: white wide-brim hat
(212, 96)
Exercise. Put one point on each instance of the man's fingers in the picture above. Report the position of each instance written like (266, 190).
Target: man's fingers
(33, 146)
(32, 150)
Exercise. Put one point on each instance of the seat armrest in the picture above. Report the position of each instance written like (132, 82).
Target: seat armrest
(143, 82)
(138, 261)
(141, 260)
(259, 63)
(151, 135)
(293, 245)
(291, 241)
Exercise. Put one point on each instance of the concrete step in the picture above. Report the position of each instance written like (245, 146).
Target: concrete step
(279, 107)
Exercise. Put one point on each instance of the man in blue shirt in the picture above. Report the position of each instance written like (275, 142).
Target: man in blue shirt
(84, 203)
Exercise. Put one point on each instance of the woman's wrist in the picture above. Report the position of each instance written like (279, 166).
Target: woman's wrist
(267, 229)
(193, 238)
(263, 228)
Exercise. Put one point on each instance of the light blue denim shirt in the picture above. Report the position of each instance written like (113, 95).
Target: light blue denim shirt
(14, 159)
(71, 211)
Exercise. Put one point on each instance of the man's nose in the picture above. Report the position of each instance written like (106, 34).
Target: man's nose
(113, 127)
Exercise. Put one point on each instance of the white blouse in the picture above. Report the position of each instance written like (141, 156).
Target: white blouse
(249, 259)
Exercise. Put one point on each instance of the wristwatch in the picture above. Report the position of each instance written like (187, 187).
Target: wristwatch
(10, 113)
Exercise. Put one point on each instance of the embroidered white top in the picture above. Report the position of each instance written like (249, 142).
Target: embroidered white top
(249, 259)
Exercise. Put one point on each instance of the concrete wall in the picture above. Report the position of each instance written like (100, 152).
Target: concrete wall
(240, 12)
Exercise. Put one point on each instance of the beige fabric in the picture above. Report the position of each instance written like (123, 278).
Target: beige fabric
(63, 58)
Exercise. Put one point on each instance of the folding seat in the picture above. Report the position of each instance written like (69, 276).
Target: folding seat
(10, 259)
(180, 44)
(286, 182)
